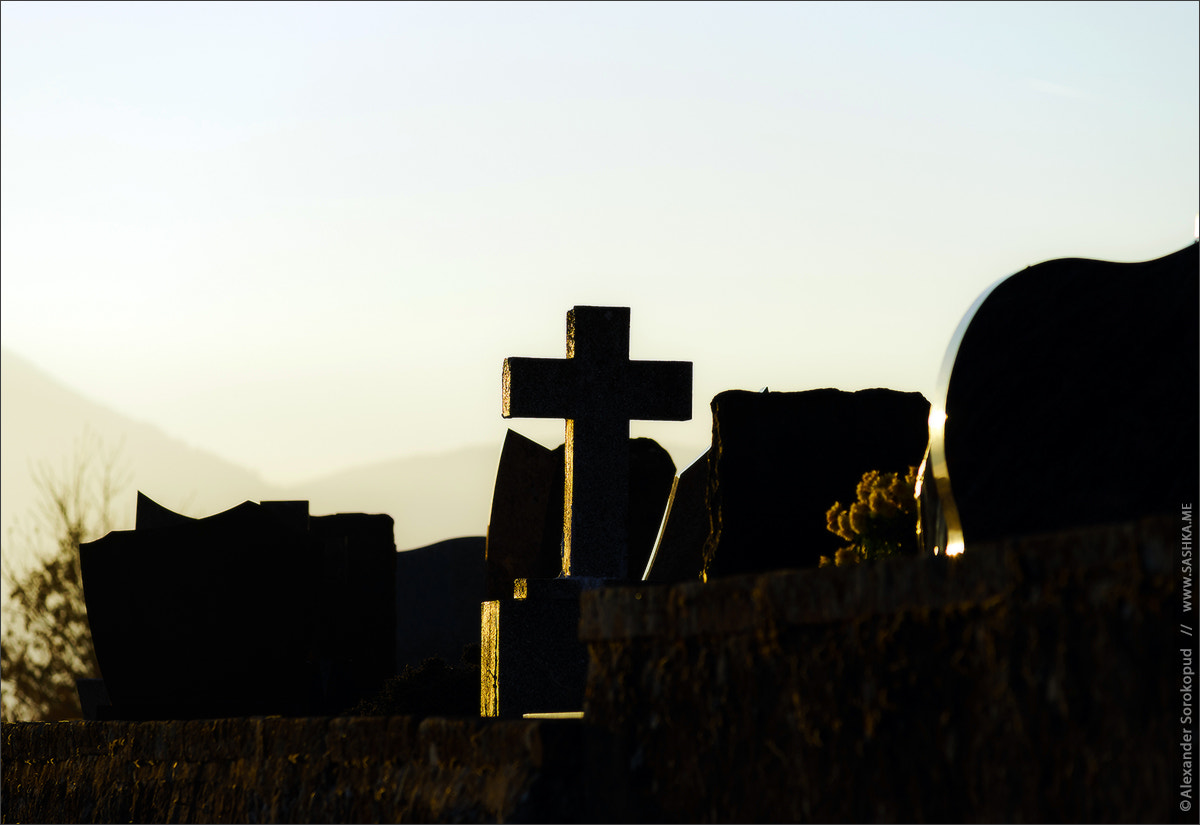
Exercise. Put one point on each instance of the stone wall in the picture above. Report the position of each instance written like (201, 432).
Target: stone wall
(291, 770)
(1029, 680)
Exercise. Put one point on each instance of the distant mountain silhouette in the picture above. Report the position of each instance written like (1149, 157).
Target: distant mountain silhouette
(431, 497)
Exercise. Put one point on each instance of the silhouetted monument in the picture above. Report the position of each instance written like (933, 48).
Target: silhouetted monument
(598, 390)
(259, 610)
(532, 659)
(679, 552)
(1070, 399)
(525, 528)
(524, 534)
(780, 460)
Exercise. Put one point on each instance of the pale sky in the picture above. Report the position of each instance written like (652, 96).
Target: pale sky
(305, 236)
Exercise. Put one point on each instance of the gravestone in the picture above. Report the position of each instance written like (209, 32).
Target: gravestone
(150, 515)
(1068, 398)
(258, 610)
(531, 656)
(206, 618)
(679, 553)
(93, 700)
(524, 535)
(355, 635)
(779, 461)
(651, 477)
(438, 591)
(598, 390)
(525, 528)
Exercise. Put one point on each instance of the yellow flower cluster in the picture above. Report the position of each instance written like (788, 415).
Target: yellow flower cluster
(880, 522)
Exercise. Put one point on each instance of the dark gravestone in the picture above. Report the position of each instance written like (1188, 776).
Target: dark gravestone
(93, 700)
(651, 476)
(544, 663)
(150, 515)
(779, 461)
(438, 591)
(255, 611)
(531, 656)
(203, 619)
(679, 554)
(1070, 399)
(525, 528)
(598, 390)
(355, 636)
(532, 659)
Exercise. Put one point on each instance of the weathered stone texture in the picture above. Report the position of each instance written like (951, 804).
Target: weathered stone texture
(1022, 681)
(1034, 679)
(292, 770)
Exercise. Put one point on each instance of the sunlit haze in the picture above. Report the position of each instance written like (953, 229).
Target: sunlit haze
(305, 236)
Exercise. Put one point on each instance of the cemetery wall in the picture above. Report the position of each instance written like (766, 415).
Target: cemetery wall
(291, 770)
(1025, 680)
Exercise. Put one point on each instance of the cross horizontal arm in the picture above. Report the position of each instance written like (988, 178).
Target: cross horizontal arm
(538, 388)
(660, 390)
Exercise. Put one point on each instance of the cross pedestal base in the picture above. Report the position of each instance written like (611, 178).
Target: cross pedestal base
(532, 660)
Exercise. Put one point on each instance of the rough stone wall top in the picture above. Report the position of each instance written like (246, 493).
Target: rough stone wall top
(374, 769)
(986, 572)
(1030, 680)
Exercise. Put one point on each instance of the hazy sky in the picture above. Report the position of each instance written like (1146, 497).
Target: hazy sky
(305, 236)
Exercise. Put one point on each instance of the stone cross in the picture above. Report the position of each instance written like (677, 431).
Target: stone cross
(597, 389)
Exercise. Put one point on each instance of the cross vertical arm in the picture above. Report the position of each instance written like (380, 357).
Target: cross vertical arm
(597, 389)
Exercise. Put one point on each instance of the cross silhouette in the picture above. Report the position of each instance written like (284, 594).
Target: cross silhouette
(598, 390)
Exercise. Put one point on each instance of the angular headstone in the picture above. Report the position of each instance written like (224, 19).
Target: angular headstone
(525, 526)
(150, 515)
(258, 610)
(679, 554)
(779, 461)
(207, 618)
(651, 476)
(1069, 399)
(525, 530)
(438, 591)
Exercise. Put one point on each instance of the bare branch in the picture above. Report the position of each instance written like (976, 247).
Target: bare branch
(46, 641)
